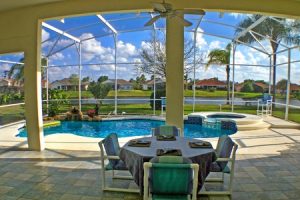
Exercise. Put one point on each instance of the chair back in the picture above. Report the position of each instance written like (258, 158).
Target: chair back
(112, 147)
(166, 130)
(171, 175)
(224, 149)
(267, 98)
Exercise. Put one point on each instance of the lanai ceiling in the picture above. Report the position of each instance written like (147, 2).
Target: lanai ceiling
(6, 5)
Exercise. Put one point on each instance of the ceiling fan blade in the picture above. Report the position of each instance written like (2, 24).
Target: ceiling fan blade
(152, 20)
(186, 23)
(193, 12)
(159, 7)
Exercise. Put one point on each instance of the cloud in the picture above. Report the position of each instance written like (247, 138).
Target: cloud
(239, 15)
(216, 44)
(45, 35)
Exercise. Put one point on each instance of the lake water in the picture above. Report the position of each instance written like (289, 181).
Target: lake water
(188, 100)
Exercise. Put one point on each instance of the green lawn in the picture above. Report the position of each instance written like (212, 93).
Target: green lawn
(11, 114)
(147, 93)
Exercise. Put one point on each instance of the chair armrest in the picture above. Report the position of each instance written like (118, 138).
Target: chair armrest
(112, 157)
(223, 159)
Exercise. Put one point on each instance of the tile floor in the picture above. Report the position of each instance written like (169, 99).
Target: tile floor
(267, 167)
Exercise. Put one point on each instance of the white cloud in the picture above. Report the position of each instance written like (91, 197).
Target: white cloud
(216, 44)
(201, 42)
(239, 15)
(45, 35)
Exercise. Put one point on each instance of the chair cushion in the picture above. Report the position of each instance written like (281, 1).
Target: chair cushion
(170, 175)
(166, 130)
(112, 148)
(169, 197)
(225, 152)
(120, 165)
(215, 167)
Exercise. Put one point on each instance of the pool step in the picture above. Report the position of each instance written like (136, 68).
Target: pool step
(248, 121)
(254, 126)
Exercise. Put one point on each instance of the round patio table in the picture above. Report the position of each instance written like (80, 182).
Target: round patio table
(134, 157)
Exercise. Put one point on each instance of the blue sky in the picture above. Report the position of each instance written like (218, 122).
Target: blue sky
(101, 49)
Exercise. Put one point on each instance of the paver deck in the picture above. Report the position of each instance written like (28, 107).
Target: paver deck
(267, 167)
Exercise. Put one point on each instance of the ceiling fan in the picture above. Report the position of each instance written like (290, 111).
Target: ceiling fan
(165, 10)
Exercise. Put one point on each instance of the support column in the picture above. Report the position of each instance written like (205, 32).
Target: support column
(288, 87)
(270, 75)
(79, 81)
(194, 70)
(233, 76)
(33, 91)
(116, 79)
(174, 72)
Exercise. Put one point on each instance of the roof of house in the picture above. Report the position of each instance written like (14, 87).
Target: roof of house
(151, 82)
(119, 81)
(262, 85)
(210, 82)
(68, 82)
(294, 87)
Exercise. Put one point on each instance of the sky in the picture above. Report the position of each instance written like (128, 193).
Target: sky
(99, 47)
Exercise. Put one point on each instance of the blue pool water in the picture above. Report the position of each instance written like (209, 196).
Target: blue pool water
(125, 128)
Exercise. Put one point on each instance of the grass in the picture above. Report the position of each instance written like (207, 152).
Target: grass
(11, 114)
(16, 113)
(147, 93)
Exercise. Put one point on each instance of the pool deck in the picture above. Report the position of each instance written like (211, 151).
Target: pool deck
(267, 167)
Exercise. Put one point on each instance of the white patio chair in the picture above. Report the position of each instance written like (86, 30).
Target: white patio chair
(112, 149)
(225, 163)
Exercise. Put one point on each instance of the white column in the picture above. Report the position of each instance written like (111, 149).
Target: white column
(154, 75)
(194, 81)
(270, 75)
(47, 84)
(174, 72)
(233, 75)
(116, 76)
(288, 87)
(79, 81)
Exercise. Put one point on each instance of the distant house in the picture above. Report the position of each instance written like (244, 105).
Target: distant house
(121, 84)
(211, 83)
(294, 88)
(159, 84)
(44, 83)
(10, 85)
(4, 82)
(257, 86)
(68, 84)
(260, 87)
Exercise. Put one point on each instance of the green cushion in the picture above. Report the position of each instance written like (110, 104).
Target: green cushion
(169, 197)
(226, 170)
(171, 178)
(166, 130)
(170, 159)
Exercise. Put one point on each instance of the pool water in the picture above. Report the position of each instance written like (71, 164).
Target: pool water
(125, 128)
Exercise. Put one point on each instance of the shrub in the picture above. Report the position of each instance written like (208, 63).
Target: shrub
(158, 95)
(212, 89)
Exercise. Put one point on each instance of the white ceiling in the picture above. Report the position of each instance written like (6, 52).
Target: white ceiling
(14, 4)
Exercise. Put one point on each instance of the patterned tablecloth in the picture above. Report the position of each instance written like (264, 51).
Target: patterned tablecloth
(134, 157)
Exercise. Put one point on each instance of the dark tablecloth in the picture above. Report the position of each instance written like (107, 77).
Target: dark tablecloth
(134, 157)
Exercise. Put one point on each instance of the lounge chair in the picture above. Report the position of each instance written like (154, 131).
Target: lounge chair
(170, 177)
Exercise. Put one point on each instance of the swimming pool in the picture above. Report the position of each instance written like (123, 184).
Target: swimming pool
(125, 128)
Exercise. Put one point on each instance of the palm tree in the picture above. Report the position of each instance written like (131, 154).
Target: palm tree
(221, 57)
(276, 30)
(16, 72)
